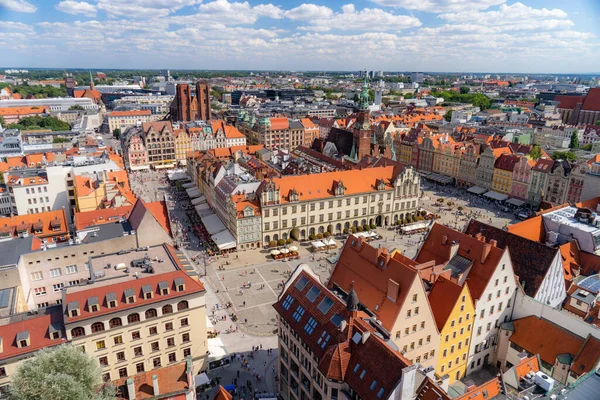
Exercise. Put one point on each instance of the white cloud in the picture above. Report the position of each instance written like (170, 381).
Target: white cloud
(307, 12)
(224, 10)
(516, 17)
(18, 5)
(76, 7)
(439, 6)
(368, 19)
(143, 8)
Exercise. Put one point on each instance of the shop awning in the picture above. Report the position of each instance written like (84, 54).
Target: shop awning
(476, 190)
(515, 202)
(201, 379)
(414, 227)
(224, 240)
(198, 200)
(212, 223)
(496, 196)
(188, 185)
(193, 193)
(177, 176)
(443, 179)
(204, 210)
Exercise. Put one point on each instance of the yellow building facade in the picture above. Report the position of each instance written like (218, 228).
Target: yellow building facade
(454, 313)
(502, 181)
(183, 145)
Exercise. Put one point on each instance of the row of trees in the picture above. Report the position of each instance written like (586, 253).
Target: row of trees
(38, 91)
(37, 122)
(477, 99)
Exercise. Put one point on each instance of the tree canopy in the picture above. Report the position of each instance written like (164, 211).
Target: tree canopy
(574, 144)
(564, 155)
(448, 115)
(76, 107)
(477, 99)
(60, 373)
(37, 122)
(40, 91)
(535, 152)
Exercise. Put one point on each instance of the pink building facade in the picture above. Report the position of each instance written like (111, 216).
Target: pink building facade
(521, 178)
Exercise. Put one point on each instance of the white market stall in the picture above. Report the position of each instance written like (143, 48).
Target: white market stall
(495, 196)
(188, 185)
(193, 193)
(212, 223)
(476, 190)
(198, 200)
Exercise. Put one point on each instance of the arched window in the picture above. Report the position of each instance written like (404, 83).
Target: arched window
(97, 327)
(131, 318)
(76, 332)
(182, 305)
(115, 322)
(167, 309)
(151, 313)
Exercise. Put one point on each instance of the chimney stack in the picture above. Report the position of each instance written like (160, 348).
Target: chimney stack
(485, 251)
(444, 239)
(130, 389)
(155, 385)
(494, 242)
(445, 383)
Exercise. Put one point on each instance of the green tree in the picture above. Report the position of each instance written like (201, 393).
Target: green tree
(409, 96)
(62, 372)
(76, 107)
(464, 89)
(448, 115)
(2, 121)
(587, 147)
(117, 133)
(37, 122)
(574, 144)
(60, 140)
(564, 155)
(535, 152)
(598, 122)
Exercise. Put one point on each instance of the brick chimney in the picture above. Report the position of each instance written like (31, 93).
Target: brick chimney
(444, 239)
(393, 290)
(487, 247)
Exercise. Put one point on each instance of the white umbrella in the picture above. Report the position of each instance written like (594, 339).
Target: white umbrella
(285, 251)
(275, 252)
(293, 248)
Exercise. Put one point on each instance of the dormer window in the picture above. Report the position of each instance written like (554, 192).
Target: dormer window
(93, 304)
(179, 284)
(54, 331)
(111, 300)
(23, 339)
(381, 185)
(129, 296)
(147, 292)
(163, 287)
(73, 309)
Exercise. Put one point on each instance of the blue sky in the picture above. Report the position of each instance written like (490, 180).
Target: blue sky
(529, 36)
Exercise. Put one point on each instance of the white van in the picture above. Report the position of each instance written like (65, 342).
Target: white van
(120, 266)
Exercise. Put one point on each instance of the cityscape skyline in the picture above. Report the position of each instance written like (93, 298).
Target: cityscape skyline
(390, 35)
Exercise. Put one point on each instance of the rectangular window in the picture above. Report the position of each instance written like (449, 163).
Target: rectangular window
(298, 313)
(71, 269)
(37, 276)
(139, 367)
(100, 345)
(121, 356)
(118, 339)
(310, 326)
(135, 335)
(184, 322)
(172, 357)
(55, 272)
(156, 362)
(154, 346)
(152, 330)
(41, 291)
(185, 337)
(137, 351)
(170, 342)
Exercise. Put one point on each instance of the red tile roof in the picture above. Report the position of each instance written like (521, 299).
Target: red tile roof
(568, 102)
(469, 248)
(99, 217)
(507, 162)
(279, 124)
(553, 342)
(592, 100)
(172, 380)
(488, 390)
(442, 298)
(340, 354)
(159, 210)
(526, 366)
(359, 268)
(17, 111)
(38, 327)
(588, 356)
(430, 391)
(82, 296)
(42, 225)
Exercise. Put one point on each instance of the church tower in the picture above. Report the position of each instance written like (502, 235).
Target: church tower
(362, 127)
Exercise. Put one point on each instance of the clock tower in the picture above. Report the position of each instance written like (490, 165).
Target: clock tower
(362, 131)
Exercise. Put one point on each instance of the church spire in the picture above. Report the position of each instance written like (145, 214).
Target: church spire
(363, 98)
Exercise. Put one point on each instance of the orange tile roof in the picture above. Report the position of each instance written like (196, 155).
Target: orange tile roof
(88, 93)
(45, 223)
(488, 390)
(553, 342)
(99, 217)
(172, 380)
(532, 229)
(129, 113)
(38, 327)
(320, 186)
(358, 268)
(500, 151)
(191, 286)
(308, 124)
(526, 366)
(469, 248)
(430, 391)
(222, 394)
(10, 111)
(279, 124)
(231, 132)
(159, 210)
(442, 298)
(84, 185)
